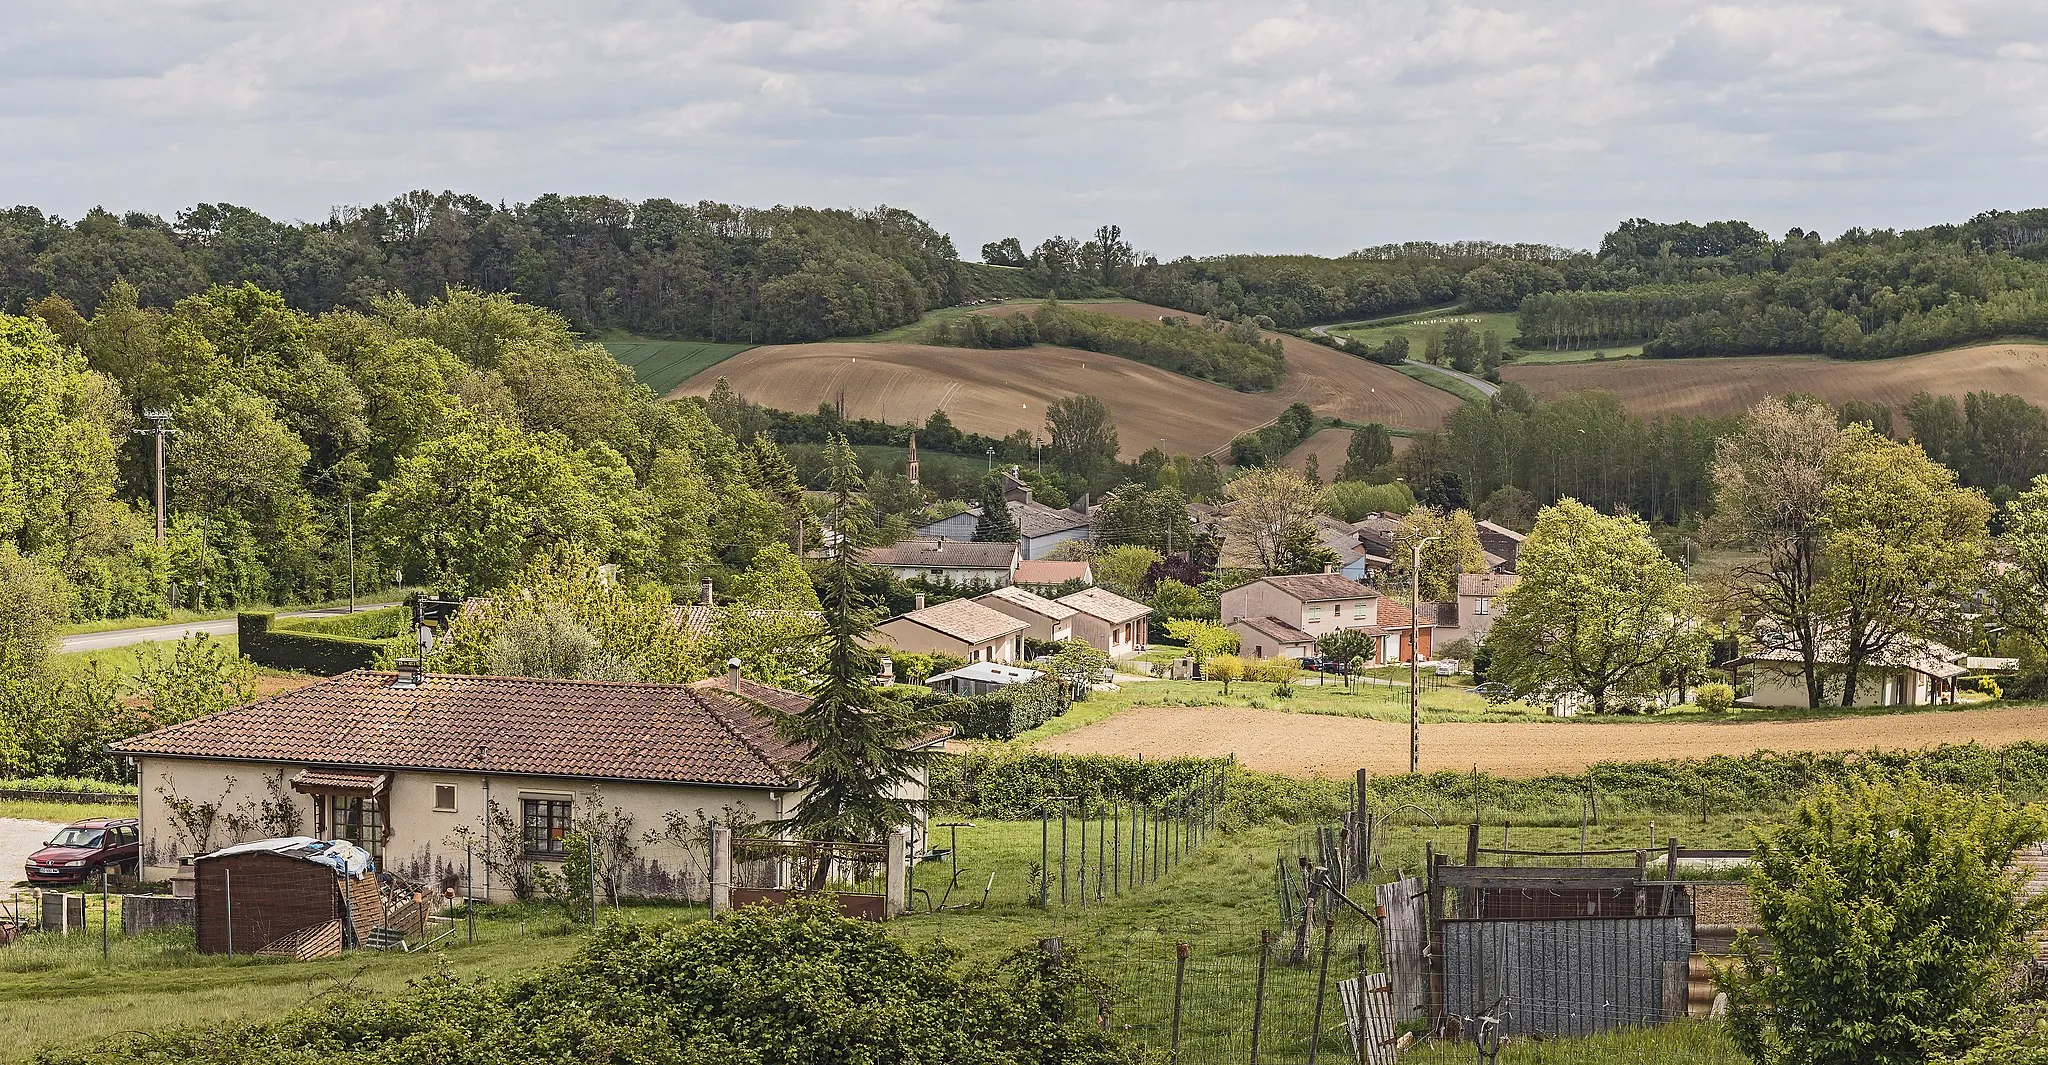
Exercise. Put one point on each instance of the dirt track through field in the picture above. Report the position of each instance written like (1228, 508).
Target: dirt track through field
(1315, 745)
(1650, 387)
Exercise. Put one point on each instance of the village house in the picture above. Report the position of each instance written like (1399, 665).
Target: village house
(947, 561)
(959, 627)
(1285, 616)
(1108, 622)
(405, 764)
(980, 678)
(1470, 616)
(1915, 673)
(1040, 528)
(1501, 544)
(1049, 621)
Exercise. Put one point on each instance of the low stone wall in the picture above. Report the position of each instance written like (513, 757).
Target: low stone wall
(148, 913)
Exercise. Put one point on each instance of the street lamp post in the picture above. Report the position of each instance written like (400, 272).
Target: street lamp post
(1415, 655)
(991, 460)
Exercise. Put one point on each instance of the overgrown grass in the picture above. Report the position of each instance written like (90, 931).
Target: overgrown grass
(663, 364)
(56, 991)
(1379, 700)
(126, 660)
(382, 597)
(1539, 358)
(61, 813)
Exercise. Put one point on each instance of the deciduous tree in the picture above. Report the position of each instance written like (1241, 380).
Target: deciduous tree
(1598, 610)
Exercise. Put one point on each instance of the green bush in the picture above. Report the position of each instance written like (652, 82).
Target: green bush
(298, 646)
(1714, 698)
(1003, 714)
(1017, 783)
(1894, 912)
(794, 983)
(73, 785)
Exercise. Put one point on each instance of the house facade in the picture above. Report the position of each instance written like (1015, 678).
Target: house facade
(960, 627)
(1472, 614)
(1919, 673)
(414, 767)
(1048, 620)
(1109, 622)
(947, 561)
(1286, 615)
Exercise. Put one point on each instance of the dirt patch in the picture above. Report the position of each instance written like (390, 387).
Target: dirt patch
(1650, 387)
(1314, 745)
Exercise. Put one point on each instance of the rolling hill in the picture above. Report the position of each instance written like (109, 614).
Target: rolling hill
(998, 392)
(1651, 387)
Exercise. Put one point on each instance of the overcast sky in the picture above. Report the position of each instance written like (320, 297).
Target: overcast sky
(1199, 127)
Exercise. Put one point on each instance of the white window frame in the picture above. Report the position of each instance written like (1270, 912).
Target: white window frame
(455, 797)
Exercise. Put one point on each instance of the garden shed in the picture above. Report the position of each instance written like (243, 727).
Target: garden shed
(296, 896)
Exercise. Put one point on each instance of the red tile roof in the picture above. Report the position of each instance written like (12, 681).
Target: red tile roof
(1277, 629)
(695, 734)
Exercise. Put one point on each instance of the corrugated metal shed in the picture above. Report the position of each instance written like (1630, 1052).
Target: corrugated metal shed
(1570, 977)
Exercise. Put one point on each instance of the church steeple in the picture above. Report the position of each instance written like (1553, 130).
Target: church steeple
(912, 468)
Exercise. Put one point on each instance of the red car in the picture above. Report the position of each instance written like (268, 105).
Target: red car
(80, 850)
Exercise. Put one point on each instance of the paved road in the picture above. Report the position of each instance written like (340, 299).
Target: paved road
(18, 840)
(1485, 387)
(101, 641)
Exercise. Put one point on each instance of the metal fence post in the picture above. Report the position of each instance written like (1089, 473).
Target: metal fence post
(1083, 880)
(1315, 1044)
(1180, 979)
(469, 887)
(1259, 991)
(229, 888)
(590, 849)
(1116, 873)
(1063, 853)
(1044, 855)
(103, 914)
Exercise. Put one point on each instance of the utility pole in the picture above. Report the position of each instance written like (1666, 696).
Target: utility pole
(1415, 656)
(159, 420)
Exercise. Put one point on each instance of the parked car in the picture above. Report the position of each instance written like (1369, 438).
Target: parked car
(81, 849)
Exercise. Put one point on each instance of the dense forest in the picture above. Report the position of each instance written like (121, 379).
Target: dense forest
(707, 271)
(1680, 289)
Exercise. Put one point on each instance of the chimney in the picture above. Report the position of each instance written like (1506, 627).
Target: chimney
(1329, 568)
(410, 673)
(920, 602)
(704, 592)
(1027, 495)
(732, 675)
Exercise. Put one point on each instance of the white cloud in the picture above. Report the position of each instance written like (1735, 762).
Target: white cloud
(1200, 126)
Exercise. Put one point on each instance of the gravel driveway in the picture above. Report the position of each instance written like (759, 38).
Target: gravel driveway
(19, 839)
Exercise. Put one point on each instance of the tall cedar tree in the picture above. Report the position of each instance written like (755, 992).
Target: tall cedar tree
(995, 526)
(862, 742)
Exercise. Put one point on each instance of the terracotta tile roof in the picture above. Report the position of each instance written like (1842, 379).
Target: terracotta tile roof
(514, 725)
(1105, 604)
(1037, 604)
(1394, 616)
(1485, 584)
(1048, 571)
(942, 554)
(1277, 629)
(1320, 587)
(964, 620)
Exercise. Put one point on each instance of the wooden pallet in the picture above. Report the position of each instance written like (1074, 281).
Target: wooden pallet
(309, 943)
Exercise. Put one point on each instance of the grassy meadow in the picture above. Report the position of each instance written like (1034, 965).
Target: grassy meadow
(664, 364)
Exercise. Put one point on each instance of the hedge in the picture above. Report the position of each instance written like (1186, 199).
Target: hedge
(1003, 714)
(1015, 783)
(313, 645)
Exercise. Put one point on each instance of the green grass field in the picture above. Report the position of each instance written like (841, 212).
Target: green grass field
(664, 364)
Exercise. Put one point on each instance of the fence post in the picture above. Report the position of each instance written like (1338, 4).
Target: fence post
(1044, 855)
(1063, 852)
(469, 887)
(228, 888)
(1116, 874)
(1180, 979)
(1082, 881)
(104, 947)
(1358, 1033)
(590, 849)
(721, 869)
(1259, 991)
(1315, 1044)
(896, 867)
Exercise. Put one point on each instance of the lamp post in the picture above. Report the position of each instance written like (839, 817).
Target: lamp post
(991, 460)
(1415, 655)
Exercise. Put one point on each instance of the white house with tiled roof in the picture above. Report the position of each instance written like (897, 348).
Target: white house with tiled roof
(1109, 622)
(406, 764)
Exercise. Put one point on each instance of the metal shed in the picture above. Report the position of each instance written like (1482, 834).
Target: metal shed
(298, 896)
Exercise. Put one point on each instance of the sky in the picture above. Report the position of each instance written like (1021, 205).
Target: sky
(1198, 127)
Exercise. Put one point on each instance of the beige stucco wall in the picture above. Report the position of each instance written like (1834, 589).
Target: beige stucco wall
(918, 639)
(956, 574)
(424, 843)
(1121, 639)
(1260, 599)
(1784, 684)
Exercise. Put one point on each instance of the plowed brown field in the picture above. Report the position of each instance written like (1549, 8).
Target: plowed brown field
(1312, 745)
(1651, 387)
(1330, 447)
(998, 392)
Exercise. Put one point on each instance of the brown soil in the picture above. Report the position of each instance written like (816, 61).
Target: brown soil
(1315, 745)
(1651, 387)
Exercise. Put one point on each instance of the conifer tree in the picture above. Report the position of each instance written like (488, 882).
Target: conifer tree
(996, 525)
(859, 739)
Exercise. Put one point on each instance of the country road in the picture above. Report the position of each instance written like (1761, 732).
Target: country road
(101, 641)
(1486, 388)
